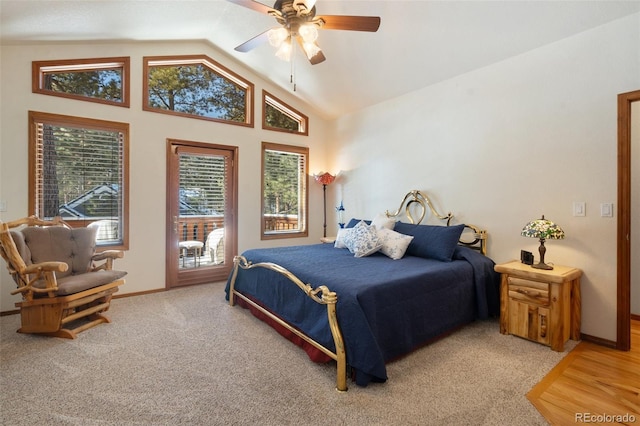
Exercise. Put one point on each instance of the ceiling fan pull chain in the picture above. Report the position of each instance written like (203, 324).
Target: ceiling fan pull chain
(293, 67)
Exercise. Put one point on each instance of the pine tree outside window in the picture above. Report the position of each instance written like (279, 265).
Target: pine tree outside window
(79, 171)
(285, 200)
(279, 116)
(197, 87)
(102, 80)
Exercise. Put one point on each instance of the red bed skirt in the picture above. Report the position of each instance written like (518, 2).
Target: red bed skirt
(315, 354)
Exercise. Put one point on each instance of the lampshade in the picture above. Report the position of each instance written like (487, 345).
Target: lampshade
(284, 52)
(543, 229)
(310, 49)
(324, 178)
(308, 32)
(277, 36)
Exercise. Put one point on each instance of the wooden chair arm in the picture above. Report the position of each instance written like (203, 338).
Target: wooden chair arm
(46, 266)
(36, 271)
(109, 256)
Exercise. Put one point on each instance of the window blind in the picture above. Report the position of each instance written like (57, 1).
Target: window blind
(79, 174)
(285, 190)
(203, 185)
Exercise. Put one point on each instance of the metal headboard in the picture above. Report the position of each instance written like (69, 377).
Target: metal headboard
(417, 198)
(423, 201)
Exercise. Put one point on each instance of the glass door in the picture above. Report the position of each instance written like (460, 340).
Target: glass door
(201, 230)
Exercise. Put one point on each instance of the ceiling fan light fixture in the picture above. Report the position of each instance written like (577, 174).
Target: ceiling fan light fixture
(284, 52)
(299, 21)
(311, 49)
(308, 32)
(277, 36)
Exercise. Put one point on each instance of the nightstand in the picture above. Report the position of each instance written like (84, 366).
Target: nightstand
(540, 305)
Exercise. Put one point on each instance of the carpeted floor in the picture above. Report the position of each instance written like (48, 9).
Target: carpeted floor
(184, 357)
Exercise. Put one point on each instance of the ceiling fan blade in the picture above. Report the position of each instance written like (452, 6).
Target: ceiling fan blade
(254, 42)
(315, 59)
(350, 23)
(254, 5)
(319, 57)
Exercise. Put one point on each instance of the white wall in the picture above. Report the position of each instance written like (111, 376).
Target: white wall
(145, 261)
(502, 145)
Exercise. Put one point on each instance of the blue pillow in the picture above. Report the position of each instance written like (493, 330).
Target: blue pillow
(431, 241)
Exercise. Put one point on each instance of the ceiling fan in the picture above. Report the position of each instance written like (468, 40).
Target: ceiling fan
(298, 21)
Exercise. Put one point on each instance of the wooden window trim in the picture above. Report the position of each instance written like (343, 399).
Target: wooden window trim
(149, 61)
(64, 120)
(39, 68)
(285, 109)
(305, 202)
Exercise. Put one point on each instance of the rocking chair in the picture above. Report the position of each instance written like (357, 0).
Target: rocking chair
(54, 266)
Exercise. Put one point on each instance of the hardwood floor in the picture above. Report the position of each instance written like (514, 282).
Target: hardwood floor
(592, 384)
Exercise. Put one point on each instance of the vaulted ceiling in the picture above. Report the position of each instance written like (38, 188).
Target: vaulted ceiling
(419, 43)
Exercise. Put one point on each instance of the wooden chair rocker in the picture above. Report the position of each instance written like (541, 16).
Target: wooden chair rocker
(54, 266)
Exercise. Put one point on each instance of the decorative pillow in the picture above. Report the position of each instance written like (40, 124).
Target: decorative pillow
(362, 240)
(434, 242)
(353, 222)
(342, 233)
(394, 244)
(382, 221)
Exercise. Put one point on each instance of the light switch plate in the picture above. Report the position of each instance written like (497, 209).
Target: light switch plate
(579, 208)
(606, 210)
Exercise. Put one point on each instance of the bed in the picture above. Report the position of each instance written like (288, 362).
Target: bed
(365, 310)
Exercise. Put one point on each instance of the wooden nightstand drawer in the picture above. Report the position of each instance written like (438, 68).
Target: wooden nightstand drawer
(529, 291)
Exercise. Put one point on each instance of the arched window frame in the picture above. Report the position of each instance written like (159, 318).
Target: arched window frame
(247, 86)
(270, 100)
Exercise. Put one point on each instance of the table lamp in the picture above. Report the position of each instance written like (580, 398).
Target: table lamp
(543, 229)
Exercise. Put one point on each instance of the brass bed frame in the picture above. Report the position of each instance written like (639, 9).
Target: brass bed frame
(322, 295)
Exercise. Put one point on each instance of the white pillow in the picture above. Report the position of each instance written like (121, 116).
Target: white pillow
(362, 240)
(342, 233)
(394, 244)
(381, 221)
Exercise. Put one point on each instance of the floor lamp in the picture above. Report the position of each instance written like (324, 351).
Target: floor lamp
(325, 179)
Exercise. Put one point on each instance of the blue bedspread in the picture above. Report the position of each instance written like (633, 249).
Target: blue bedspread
(386, 308)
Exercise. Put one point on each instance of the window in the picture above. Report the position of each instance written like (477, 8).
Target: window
(281, 117)
(78, 169)
(197, 87)
(284, 191)
(103, 80)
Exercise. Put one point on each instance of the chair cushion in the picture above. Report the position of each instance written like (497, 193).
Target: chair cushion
(21, 246)
(72, 284)
(75, 247)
